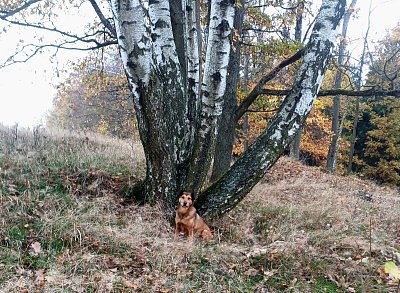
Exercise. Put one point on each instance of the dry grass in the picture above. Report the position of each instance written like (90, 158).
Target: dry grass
(299, 230)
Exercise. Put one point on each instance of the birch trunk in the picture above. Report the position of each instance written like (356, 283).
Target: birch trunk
(296, 143)
(212, 91)
(226, 128)
(157, 84)
(224, 194)
(159, 46)
(178, 125)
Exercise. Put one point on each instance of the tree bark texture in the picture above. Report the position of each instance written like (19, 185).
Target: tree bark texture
(178, 126)
(224, 194)
(298, 31)
(159, 46)
(226, 130)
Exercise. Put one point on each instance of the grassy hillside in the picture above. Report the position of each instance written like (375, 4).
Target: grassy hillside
(65, 226)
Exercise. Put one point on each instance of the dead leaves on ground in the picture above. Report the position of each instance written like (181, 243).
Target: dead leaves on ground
(35, 249)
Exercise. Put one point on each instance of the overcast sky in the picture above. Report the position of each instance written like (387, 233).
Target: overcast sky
(27, 90)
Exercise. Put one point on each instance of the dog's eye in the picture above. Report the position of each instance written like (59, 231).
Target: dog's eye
(189, 198)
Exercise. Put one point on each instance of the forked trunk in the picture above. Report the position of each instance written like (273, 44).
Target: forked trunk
(159, 45)
(177, 125)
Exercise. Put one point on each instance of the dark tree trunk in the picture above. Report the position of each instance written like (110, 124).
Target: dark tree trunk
(334, 146)
(357, 111)
(246, 126)
(296, 143)
(353, 136)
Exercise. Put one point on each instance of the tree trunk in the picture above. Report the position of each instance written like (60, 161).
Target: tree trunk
(357, 111)
(177, 125)
(298, 31)
(334, 146)
(295, 145)
(224, 194)
(213, 91)
(226, 131)
(164, 84)
(353, 136)
(246, 126)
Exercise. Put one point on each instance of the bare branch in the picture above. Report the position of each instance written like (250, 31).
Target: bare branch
(385, 67)
(331, 92)
(7, 13)
(103, 19)
(63, 33)
(37, 49)
(241, 109)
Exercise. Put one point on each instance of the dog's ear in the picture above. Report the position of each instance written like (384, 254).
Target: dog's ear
(179, 193)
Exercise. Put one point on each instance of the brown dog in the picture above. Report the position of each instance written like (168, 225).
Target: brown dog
(188, 221)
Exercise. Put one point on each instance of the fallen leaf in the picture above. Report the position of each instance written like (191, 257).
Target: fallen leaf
(39, 275)
(129, 284)
(251, 272)
(39, 278)
(36, 248)
(392, 269)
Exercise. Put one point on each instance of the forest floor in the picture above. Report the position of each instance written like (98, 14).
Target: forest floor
(66, 226)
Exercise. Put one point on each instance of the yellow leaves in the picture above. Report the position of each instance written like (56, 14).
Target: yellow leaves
(392, 269)
(103, 127)
(238, 4)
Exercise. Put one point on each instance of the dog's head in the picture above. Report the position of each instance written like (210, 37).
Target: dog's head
(185, 199)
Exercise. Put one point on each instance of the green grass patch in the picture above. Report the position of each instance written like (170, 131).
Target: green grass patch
(322, 284)
(267, 219)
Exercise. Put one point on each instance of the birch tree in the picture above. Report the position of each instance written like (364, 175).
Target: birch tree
(178, 126)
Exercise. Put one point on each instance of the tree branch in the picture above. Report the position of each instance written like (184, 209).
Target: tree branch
(245, 104)
(55, 30)
(36, 49)
(7, 13)
(331, 92)
(103, 19)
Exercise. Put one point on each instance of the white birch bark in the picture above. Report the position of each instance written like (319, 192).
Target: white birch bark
(224, 194)
(212, 89)
(134, 43)
(193, 69)
(150, 59)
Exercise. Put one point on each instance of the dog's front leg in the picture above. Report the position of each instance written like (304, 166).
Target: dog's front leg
(177, 230)
(191, 234)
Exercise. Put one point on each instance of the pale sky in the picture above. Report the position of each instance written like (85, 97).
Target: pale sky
(27, 90)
